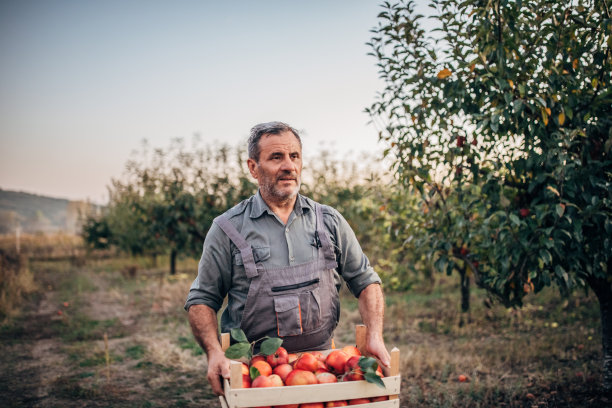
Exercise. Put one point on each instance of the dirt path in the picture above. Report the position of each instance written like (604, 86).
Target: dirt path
(50, 359)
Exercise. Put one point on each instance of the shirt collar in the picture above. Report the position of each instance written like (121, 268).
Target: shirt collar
(259, 206)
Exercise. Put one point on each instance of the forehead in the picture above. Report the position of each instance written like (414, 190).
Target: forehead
(282, 142)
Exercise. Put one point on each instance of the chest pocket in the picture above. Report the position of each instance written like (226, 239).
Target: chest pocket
(260, 254)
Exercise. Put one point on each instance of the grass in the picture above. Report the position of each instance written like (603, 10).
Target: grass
(546, 354)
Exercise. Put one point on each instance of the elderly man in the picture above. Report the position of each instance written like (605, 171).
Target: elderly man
(280, 258)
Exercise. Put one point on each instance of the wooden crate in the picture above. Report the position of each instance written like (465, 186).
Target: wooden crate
(236, 396)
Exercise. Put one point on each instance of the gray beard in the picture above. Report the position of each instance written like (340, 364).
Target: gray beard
(281, 197)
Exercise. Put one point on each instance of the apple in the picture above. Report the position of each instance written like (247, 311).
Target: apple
(262, 381)
(462, 378)
(351, 350)
(352, 369)
(326, 378)
(336, 360)
(381, 398)
(524, 212)
(263, 367)
(319, 356)
(357, 401)
(287, 406)
(307, 361)
(279, 357)
(312, 405)
(246, 381)
(257, 358)
(283, 371)
(292, 357)
(300, 377)
(276, 380)
(336, 404)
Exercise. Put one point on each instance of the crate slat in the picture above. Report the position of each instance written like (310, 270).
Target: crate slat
(249, 397)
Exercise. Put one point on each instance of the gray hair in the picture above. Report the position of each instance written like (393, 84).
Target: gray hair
(268, 128)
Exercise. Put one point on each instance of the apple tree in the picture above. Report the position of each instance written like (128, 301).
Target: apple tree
(498, 114)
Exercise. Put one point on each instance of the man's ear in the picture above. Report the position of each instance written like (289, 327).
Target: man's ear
(252, 167)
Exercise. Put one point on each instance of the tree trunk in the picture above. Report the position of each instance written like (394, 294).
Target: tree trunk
(465, 295)
(603, 290)
(173, 254)
(465, 291)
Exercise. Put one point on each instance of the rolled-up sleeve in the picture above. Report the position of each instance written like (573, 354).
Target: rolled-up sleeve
(214, 271)
(353, 265)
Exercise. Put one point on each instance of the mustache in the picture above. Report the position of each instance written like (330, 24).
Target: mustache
(288, 174)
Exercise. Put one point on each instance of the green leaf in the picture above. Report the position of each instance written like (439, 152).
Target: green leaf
(560, 210)
(515, 219)
(374, 379)
(254, 373)
(368, 364)
(270, 345)
(238, 335)
(238, 350)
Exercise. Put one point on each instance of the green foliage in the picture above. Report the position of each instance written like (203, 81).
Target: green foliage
(500, 119)
(502, 124)
(169, 198)
(244, 349)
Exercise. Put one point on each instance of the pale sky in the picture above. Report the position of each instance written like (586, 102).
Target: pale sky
(83, 82)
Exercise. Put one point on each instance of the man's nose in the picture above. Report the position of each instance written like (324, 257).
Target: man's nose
(287, 164)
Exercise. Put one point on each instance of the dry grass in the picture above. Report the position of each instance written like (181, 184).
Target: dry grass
(545, 355)
(16, 281)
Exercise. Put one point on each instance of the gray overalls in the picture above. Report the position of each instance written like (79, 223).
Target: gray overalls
(298, 303)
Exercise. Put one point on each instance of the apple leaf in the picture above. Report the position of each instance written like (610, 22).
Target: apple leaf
(238, 350)
(254, 373)
(238, 335)
(270, 345)
(368, 364)
(375, 379)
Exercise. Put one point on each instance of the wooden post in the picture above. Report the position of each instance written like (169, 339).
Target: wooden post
(225, 341)
(360, 337)
(395, 367)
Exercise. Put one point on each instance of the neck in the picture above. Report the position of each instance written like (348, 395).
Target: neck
(282, 208)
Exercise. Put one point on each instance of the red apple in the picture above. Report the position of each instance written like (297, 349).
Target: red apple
(524, 212)
(283, 371)
(351, 350)
(263, 367)
(381, 398)
(307, 362)
(319, 356)
(279, 357)
(246, 381)
(352, 369)
(357, 401)
(257, 358)
(312, 405)
(292, 357)
(336, 404)
(336, 360)
(326, 378)
(262, 381)
(300, 377)
(276, 380)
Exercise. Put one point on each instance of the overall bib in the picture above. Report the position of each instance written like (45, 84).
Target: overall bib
(297, 303)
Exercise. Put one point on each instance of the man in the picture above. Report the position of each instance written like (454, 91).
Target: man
(278, 257)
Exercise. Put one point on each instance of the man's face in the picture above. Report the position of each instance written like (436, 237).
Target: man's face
(279, 169)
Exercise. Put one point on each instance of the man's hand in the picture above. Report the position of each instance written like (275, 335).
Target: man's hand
(218, 368)
(375, 345)
(203, 321)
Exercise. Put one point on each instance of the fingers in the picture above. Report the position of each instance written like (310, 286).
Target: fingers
(215, 383)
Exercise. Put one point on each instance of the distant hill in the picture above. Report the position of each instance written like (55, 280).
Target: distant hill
(37, 213)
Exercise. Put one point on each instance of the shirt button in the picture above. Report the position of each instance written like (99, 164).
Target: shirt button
(292, 259)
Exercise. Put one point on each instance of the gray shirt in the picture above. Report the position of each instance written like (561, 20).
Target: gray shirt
(221, 272)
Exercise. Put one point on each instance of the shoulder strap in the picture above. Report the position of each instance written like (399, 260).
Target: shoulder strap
(245, 248)
(326, 244)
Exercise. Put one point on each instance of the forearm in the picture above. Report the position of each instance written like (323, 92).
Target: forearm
(203, 321)
(372, 310)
